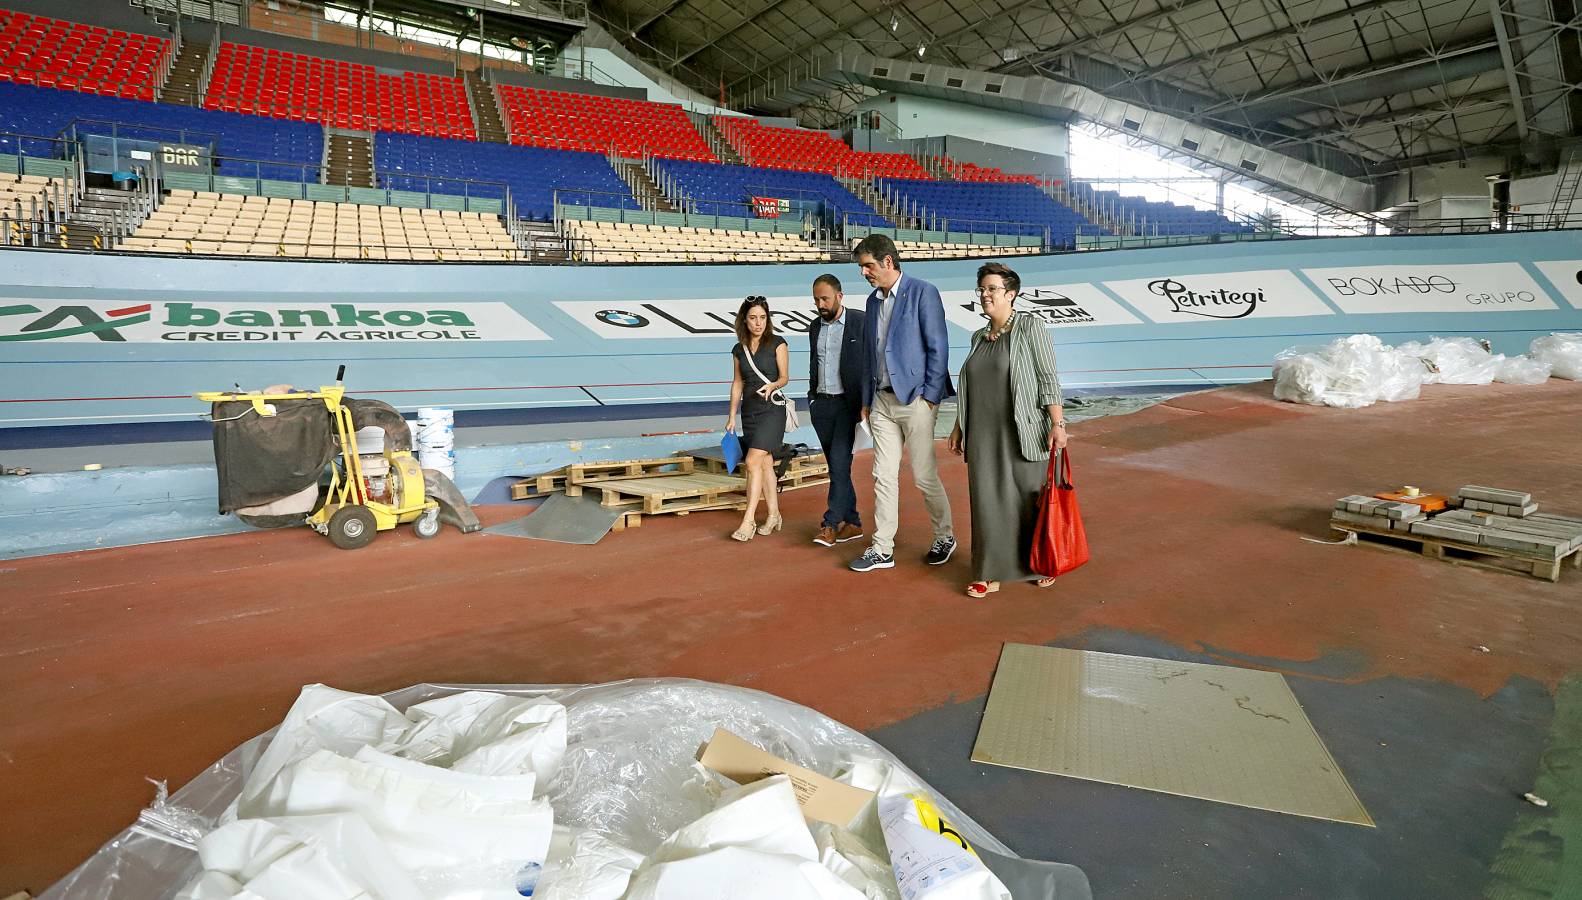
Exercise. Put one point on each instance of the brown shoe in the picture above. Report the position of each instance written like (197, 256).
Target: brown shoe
(847, 532)
(825, 537)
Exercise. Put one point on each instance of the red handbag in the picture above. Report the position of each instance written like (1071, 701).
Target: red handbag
(1060, 543)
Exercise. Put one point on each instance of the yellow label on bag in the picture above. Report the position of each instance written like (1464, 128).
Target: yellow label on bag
(928, 816)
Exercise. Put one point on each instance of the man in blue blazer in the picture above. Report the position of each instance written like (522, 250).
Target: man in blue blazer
(838, 355)
(909, 358)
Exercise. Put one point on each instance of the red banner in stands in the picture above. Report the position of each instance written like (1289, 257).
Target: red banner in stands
(767, 207)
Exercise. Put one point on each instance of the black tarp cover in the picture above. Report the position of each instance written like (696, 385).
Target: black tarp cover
(264, 458)
(261, 459)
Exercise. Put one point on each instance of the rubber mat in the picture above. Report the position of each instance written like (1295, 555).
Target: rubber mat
(1213, 732)
(564, 520)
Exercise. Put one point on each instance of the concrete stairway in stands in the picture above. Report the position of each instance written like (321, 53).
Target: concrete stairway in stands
(485, 109)
(348, 158)
(717, 143)
(93, 220)
(643, 188)
(181, 87)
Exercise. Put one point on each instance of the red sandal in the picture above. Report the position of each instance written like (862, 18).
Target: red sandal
(980, 589)
(1044, 583)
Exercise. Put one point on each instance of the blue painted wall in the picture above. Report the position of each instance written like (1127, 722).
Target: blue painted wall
(578, 360)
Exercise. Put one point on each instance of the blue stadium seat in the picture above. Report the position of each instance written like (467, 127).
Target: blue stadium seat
(728, 190)
(239, 140)
(996, 208)
(533, 173)
(1166, 219)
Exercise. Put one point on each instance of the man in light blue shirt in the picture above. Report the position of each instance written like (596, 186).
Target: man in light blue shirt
(838, 341)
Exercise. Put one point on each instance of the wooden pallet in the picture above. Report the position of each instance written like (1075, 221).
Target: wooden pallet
(801, 471)
(535, 486)
(579, 475)
(1480, 556)
(673, 493)
(804, 477)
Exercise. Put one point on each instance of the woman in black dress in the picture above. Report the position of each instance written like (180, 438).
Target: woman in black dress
(763, 419)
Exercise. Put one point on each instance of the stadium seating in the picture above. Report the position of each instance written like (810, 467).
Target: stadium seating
(27, 191)
(238, 139)
(966, 171)
(211, 223)
(629, 128)
(728, 190)
(1020, 209)
(1152, 218)
(770, 147)
(286, 85)
(533, 173)
(628, 243)
(75, 57)
(951, 250)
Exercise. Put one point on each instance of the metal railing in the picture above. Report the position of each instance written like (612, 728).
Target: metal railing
(622, 206)
(163, 75)
(207, 75)
(976, 233)
(37, 221)
(345, 251)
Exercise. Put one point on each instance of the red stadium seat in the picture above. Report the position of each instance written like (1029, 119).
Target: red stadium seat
(73, 56)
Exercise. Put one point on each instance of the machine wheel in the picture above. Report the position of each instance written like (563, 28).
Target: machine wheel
(352, 527)
(426, 525)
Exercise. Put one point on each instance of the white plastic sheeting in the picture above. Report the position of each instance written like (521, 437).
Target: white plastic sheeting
(1361, 370)
(1562, 351)
(593, 789)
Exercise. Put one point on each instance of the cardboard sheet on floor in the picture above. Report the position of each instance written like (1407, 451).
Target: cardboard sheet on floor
(1213, 732)
(565, 520)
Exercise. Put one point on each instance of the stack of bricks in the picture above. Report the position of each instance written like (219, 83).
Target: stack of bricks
(1497, 501)
(1506, 520)
(1488, 517)
(1384, 515)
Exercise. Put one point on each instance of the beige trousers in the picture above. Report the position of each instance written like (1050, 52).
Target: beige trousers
(894, 426)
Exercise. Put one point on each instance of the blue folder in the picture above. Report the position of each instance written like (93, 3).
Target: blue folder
(731, 446)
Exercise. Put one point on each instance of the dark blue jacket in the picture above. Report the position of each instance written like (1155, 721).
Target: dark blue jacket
(917, 351)
(853, 357)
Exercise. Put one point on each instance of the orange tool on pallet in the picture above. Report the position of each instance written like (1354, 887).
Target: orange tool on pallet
(1430, 503)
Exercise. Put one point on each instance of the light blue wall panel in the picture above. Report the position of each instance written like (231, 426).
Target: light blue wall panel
(679, 352)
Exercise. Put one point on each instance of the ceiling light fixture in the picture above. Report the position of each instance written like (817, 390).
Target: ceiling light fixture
(895, 22)
(921, 49)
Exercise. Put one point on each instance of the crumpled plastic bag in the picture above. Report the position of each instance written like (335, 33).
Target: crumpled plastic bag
(329, 857)
(585, 865)
(1459, 360)
(627, 782)
(1523, 370)
(1349, 372)
(1563, 352)
(754, 844)
(441, 798)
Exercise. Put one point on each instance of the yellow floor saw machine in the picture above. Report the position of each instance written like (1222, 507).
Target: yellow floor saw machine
(289, 457)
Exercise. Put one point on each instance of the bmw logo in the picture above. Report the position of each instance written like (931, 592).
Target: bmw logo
(620, 318)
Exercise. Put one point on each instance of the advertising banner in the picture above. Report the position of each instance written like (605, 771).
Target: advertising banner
(1486, 287)
(162, 322)
(1174, 299)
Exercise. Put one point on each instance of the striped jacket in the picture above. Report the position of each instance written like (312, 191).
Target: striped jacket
(1035, 386)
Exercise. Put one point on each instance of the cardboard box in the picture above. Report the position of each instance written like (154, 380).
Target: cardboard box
(824, 799)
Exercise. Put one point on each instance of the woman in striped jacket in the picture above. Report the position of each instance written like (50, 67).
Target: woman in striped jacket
(1008, 419)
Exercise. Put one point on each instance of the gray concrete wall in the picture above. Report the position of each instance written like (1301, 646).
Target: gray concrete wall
(570, 85)
(105, 13)
(391, 62)
(1009, 159)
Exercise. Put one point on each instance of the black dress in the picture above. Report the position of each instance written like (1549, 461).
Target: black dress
(763, 423)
